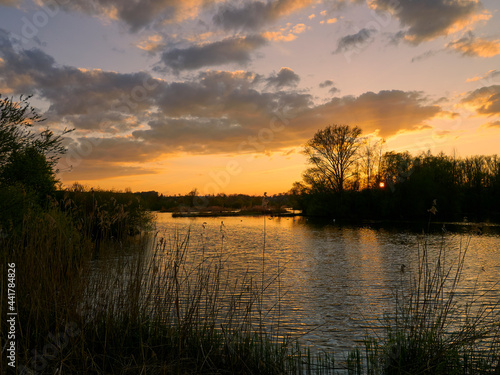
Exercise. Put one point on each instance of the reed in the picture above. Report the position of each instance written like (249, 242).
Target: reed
(150, 304)
(436, 327)
(161, 306)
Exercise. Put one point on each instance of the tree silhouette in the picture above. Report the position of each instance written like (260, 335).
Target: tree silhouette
(27, 157)
(332, 153)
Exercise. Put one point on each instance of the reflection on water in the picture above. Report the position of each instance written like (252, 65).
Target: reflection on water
(333, 283)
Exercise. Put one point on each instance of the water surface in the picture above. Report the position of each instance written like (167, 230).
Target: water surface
(332, 284)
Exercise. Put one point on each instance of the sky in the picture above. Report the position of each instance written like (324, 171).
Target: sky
(222, 95)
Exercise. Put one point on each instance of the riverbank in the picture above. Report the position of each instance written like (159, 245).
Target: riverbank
(234, 213)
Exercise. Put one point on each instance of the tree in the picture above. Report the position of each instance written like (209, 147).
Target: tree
(332, 153)
(371, 155)
(27, 157)
(396, 167)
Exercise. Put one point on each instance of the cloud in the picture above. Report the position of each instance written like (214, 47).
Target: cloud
(329, 83)
(334, 91)
(338, 5)
(117, 149)
(229, 50)
(493, 124)
(285, 77)
(85, 99)
(136, 15)
(89, 170)
(424, 56)
(469, 45)
(428, 19)
(299, 28)
(10, 2)
(387, 112)
(326, 83)
(278, 36)
(152, 44)
(354, 40)
(254, 15)
(234, 130)
(488, 76)
(285, 34)
(485, 100)
(137, 118)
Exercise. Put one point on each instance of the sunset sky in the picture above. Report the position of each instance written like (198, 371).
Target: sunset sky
(221, 95)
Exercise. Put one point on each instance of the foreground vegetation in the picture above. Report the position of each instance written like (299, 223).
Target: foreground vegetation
(436, 328)
(171, 306)
(155, 308)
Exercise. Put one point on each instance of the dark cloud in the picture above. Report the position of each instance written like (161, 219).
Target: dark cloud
(218, 94)
(354, 40)
(141, 118)
(253, 15)
(144, 14)
(230, 50)
(387, 112)
(136, 14)
(485, 101)
(469, 45)
(326, 83)
(72, 91)
(10, 2)
(334, 91)
(285, 77)
(329, 83)
(194, 135)
(427, 19)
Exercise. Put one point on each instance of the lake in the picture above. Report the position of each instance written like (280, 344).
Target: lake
(330, 285)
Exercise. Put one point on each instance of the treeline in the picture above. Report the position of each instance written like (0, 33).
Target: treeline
(154, 201)
(406, 187)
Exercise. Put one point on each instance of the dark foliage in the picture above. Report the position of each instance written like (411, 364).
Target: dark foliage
(465, 188)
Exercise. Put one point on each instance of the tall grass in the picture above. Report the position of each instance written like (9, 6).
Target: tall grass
(103, 214)
(170, 306)
(50, 257)
(436, 328)
(144, 306)
(187, 313)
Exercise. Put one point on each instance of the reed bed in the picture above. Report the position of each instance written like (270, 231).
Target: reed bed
(146, 304)
(139, 305)
(436, 327)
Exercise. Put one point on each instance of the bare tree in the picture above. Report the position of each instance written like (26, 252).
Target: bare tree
(332, 153)
(371, 154)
